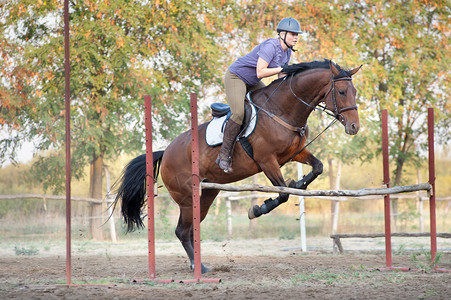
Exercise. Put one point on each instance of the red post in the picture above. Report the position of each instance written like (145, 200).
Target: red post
(196, 187)
(385, 159)
(68, 158)
(432, 182)
(150, 186)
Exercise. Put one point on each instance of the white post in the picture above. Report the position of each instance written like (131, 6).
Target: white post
(302, 214)
(110, 207)
(336, 203)
(229, 216)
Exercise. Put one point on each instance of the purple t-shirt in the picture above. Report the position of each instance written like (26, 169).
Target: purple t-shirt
(270, 51)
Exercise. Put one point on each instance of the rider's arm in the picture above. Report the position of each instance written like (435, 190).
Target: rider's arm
(263, 70)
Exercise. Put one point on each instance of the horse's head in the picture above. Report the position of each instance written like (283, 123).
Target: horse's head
(341, 98)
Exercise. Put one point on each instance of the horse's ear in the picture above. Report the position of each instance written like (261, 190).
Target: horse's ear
(355, 70)
(334, 70)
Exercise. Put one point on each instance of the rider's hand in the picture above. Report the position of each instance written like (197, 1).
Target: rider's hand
(288, 69)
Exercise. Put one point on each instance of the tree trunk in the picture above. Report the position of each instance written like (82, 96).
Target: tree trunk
(96, 210)
(394, 202)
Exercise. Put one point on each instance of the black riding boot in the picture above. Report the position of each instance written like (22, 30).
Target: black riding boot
(224, 159)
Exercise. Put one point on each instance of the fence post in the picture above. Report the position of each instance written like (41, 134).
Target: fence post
(196, 187)
(149, 186)
(110, 206)
(302, 214)
(385, 155)
(68, 154)
(229, 216)
(432, 182)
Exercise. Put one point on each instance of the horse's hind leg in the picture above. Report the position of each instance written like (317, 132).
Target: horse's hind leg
(184, 230)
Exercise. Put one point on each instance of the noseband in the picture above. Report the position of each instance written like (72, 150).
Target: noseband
(336, 113)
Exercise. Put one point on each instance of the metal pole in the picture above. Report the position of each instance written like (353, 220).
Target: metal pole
(385, 156)
(432, 209)
(150, 186)
(196, 187)
(302, 214)
(68, 158)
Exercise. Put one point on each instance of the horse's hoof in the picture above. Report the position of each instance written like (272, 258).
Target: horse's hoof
(204, 269)
(254, 212)
(291, 183)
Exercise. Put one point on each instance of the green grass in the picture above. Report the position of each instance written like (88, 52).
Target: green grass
(26, 251)
(330, 278)
(425, 262)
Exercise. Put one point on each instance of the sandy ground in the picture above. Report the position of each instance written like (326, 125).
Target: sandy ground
(263, 269)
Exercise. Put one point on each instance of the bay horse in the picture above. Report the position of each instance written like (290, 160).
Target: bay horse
(283, 108)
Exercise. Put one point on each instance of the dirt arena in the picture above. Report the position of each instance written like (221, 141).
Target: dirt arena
(261, 269)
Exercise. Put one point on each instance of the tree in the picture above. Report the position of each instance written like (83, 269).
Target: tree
(120, 50)
(403, 46)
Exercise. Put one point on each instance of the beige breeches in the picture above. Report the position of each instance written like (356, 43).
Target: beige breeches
(236, 91)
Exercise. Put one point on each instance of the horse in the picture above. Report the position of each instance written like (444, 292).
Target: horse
(283, 108)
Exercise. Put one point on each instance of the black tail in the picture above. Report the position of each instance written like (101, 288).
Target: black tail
(132, 190)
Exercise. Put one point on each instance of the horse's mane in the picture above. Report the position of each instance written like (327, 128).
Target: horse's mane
(305, 66)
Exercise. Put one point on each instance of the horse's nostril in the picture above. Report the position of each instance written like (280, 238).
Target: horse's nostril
(354, 128)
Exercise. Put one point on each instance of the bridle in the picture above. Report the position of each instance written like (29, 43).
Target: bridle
(336, 113)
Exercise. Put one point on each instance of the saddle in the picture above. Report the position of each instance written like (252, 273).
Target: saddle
(221, 113)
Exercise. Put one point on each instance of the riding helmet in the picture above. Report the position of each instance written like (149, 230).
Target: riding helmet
(290, 25)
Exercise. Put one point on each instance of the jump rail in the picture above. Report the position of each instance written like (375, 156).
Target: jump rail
(312, 193)
(337, 237)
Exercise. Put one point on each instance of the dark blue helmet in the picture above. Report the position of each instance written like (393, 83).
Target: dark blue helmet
(290, 25)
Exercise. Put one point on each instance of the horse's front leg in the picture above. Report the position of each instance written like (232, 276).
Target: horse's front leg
(272, 171)
(305, 157)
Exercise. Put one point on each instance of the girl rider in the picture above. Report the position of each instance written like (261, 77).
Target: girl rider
(245, 75)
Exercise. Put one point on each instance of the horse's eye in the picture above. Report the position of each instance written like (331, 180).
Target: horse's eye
(342, 93)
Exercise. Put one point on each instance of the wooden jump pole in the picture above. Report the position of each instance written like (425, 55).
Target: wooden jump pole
(149, 186)
(196, 190)
(386, 171)
(431, 160)
(150, 182)
(195, 186)
(68, 157)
